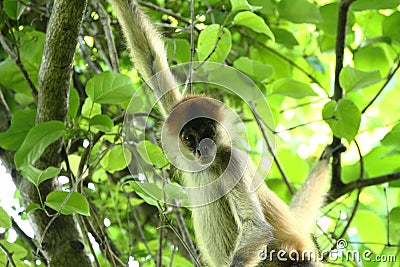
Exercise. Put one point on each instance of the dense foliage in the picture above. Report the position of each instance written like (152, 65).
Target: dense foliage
(289, 48)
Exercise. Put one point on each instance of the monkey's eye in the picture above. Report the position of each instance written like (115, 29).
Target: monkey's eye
(209, 132)
(188, 138)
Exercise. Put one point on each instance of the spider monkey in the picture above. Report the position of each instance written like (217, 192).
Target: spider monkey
(233, 229)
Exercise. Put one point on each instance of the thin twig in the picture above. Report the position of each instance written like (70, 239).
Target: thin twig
(17, 60)
(165, 11)
(388, 79)
(106, 23)
(213, 50)
(270, 149)
(8, 255)
(86, 56)
(288, 60)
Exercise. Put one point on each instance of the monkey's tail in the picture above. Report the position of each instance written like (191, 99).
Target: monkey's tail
(147, 51)
(307, 202)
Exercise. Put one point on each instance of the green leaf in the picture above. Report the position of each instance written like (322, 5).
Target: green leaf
(37, 176)
(392, 138)
(152, 154)
(370, 58)
(102, 122)
(178, 49)
(110, 88)
(149, 192)
(395, 225)
(31, 44)
(390, 26)
(32, 207)
(347, 118)
(363, 220)
(23, 99)
(292, 88)
(255, 69)
(90, 109)
(254, 22)
(214, 43)
(243, 5)
(361, 5)
(118, 158)
(76, 203)
(21, 123)
(5, 220)
(284, 37)
(175, 191)
(14, 9)
(352, 79)
(74, 103)
(36, 141)
(17, 251)
(299, 11)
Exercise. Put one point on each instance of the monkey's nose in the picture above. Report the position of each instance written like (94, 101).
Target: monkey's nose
(206, 148)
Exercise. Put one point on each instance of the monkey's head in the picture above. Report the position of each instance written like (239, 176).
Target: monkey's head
(198, 132)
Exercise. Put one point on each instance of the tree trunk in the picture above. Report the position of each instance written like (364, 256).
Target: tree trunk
(62, 242)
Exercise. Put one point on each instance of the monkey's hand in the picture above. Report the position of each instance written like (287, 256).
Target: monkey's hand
(255, 233)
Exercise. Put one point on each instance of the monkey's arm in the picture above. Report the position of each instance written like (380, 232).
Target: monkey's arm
(147, 52)
(254, 231)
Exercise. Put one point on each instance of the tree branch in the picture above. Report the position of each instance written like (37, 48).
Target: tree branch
(338, 91)
(359, 184)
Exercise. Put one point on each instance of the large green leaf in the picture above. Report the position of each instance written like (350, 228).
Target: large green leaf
(299, 11)
(118, 158)
(343, 118)
(37, 176)
(21, 123)
(352, 79)
(152, 154)
(292, 88)
(110, 88)
(36, 141)
(14, 9)
(255, 69)
(254, 22)
(76, 203)
(214, 43)
(5, 220)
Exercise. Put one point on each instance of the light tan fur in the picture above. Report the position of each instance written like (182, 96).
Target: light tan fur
(232, 230)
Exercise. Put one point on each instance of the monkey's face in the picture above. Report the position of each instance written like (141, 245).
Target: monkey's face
(196, 134)
(198, 138)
